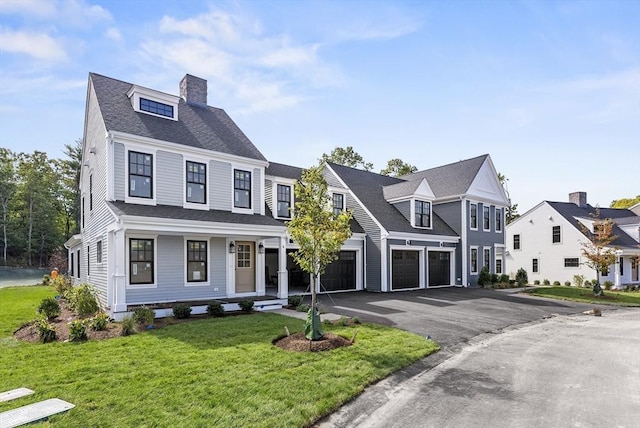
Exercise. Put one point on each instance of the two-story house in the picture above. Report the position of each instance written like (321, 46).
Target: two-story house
(547, 241)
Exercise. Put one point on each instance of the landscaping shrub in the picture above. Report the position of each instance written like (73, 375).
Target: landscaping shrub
(246, 305)
(567, 283)
(128, 326)
(587, 283)
(62, 284)
(215, 309)
(556, 283)
(46, 330)
(294, 300)
(77, 330)
(608, 285)
(494, 278)
(144, 315)
(82, 300)
(484, 278)
(504, 278)
(521, 277)
(578, 280)
(303, 307)
(181, 310)
(546, 282)
(46, 278)
(49, 308)
(99, 322)
(536, 282)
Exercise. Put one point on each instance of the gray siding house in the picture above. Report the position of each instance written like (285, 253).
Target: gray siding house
(178, 205)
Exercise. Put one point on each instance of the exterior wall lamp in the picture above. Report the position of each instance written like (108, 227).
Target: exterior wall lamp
(261, 248)
(232, 247)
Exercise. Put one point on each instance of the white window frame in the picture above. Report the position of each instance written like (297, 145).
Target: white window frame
(135, 199)
(499, 214)
(274, 194)
(101, 253)
(471, 249)
(188, 283)
(484, 250)
(421, 262)
(486, 208)
(496, 260)
(413, 213)
(344, 201)
(513, 241)
(195, 205)
(560, 229)
(137, 92)
(130, 286)
(250, 170)
(471, 226)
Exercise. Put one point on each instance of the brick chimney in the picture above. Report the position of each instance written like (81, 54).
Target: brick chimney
(578, 198)
(193, 89)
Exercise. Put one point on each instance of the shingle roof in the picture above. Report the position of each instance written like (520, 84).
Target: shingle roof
(452, 179)
(402, 189)
(174, 212)
(569, 211)
(282, 170)
(197, 125)
(368, 188)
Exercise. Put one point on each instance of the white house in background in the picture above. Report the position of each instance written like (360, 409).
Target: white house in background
(546, 241)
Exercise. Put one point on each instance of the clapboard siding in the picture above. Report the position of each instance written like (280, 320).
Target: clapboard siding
(169, 180)
(119, 171)
(256, 189)
(220, 186)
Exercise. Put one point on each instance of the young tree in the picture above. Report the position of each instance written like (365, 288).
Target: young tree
(625, 202)
(347, 157)
(319, 234)
(397, 167)
(7, 189)
(512, 210)
(597, 250)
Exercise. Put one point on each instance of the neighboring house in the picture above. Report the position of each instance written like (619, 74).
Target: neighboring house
(178, 205)
(546, 241)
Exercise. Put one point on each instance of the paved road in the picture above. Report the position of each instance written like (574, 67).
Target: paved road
(507, 361)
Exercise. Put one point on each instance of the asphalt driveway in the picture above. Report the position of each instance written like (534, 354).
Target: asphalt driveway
(450, 316)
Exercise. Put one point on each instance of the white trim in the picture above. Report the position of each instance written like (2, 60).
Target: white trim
(243, 168)
(423, 237)
(188, 283)
(495, 217)
(486, 208)
(110, 168)
(452, 266)
(136, 92)
(127, 250)
(491, 268)
(463, 242)
(344, 199)
(421, 260)
(384, 266)
(274, 196)
(471, 271)
(476, 205)
(154, 177)
(412, 203)
(195, 205)
(560, 242)
(181, 149)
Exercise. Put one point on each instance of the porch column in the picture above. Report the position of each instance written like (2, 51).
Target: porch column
(283, 275)
(119, 252)
(617, 269)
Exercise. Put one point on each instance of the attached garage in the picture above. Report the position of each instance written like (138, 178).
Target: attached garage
(439, 268)
(405, 269)
(341, 273)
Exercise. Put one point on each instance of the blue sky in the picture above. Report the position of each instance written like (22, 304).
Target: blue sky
(551, 90)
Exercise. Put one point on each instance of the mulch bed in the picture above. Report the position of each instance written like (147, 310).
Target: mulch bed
(298, 342)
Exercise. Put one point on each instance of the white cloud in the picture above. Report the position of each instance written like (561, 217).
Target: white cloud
(114, 34)
(389, 29)
(37, 45)
(73, 13)
(41, 9)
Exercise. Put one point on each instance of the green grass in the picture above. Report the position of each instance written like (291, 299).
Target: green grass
(621, 298)
(18, 305)
(221, 372)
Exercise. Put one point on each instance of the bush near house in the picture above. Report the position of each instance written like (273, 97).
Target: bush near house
(521, 277)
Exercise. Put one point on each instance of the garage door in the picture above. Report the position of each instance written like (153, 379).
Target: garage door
(439, 268)
(405, 269)
(341, 273)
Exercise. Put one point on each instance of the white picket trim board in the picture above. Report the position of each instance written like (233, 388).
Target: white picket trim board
(15, 393)
(33, 412)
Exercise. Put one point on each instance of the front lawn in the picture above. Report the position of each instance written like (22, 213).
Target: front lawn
(622, 298)
(18, 305)
(221, 372)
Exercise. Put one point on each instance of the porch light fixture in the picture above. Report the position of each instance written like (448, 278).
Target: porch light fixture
(232, 247)
(261, 248)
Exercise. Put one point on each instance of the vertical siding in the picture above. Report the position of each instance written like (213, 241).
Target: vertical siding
(220, 186)
(98, 218)
(169, 180)
(119, 171)
(256, 190)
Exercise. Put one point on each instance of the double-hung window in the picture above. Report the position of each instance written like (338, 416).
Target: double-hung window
(283, 201)
(140, 175)
(473, 216)
(535, 268)
(196, 182)
(498, 220)
(516, 242)
(196, 261)
(422, 214)
(555, 234)
(487, 258)
(486, 225)
(338, 203)
(141, 261)
(91, 192)
(99, 252)
(474, 260)
(241, 189)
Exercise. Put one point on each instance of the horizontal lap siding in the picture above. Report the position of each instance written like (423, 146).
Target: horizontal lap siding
(170, 271)
(256, 189)
(118, 171)
(220, 187)
(169, 180)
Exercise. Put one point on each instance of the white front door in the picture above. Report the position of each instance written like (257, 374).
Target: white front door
(245, 267)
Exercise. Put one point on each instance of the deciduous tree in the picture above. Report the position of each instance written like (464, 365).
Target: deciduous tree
(625, 202)
(597, 249)
(347, 157)
(319, 235)
(397, 167)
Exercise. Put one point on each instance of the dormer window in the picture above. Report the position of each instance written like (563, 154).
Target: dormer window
(156, 107)
(422, 214)
(154, 103)
(338, 203)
